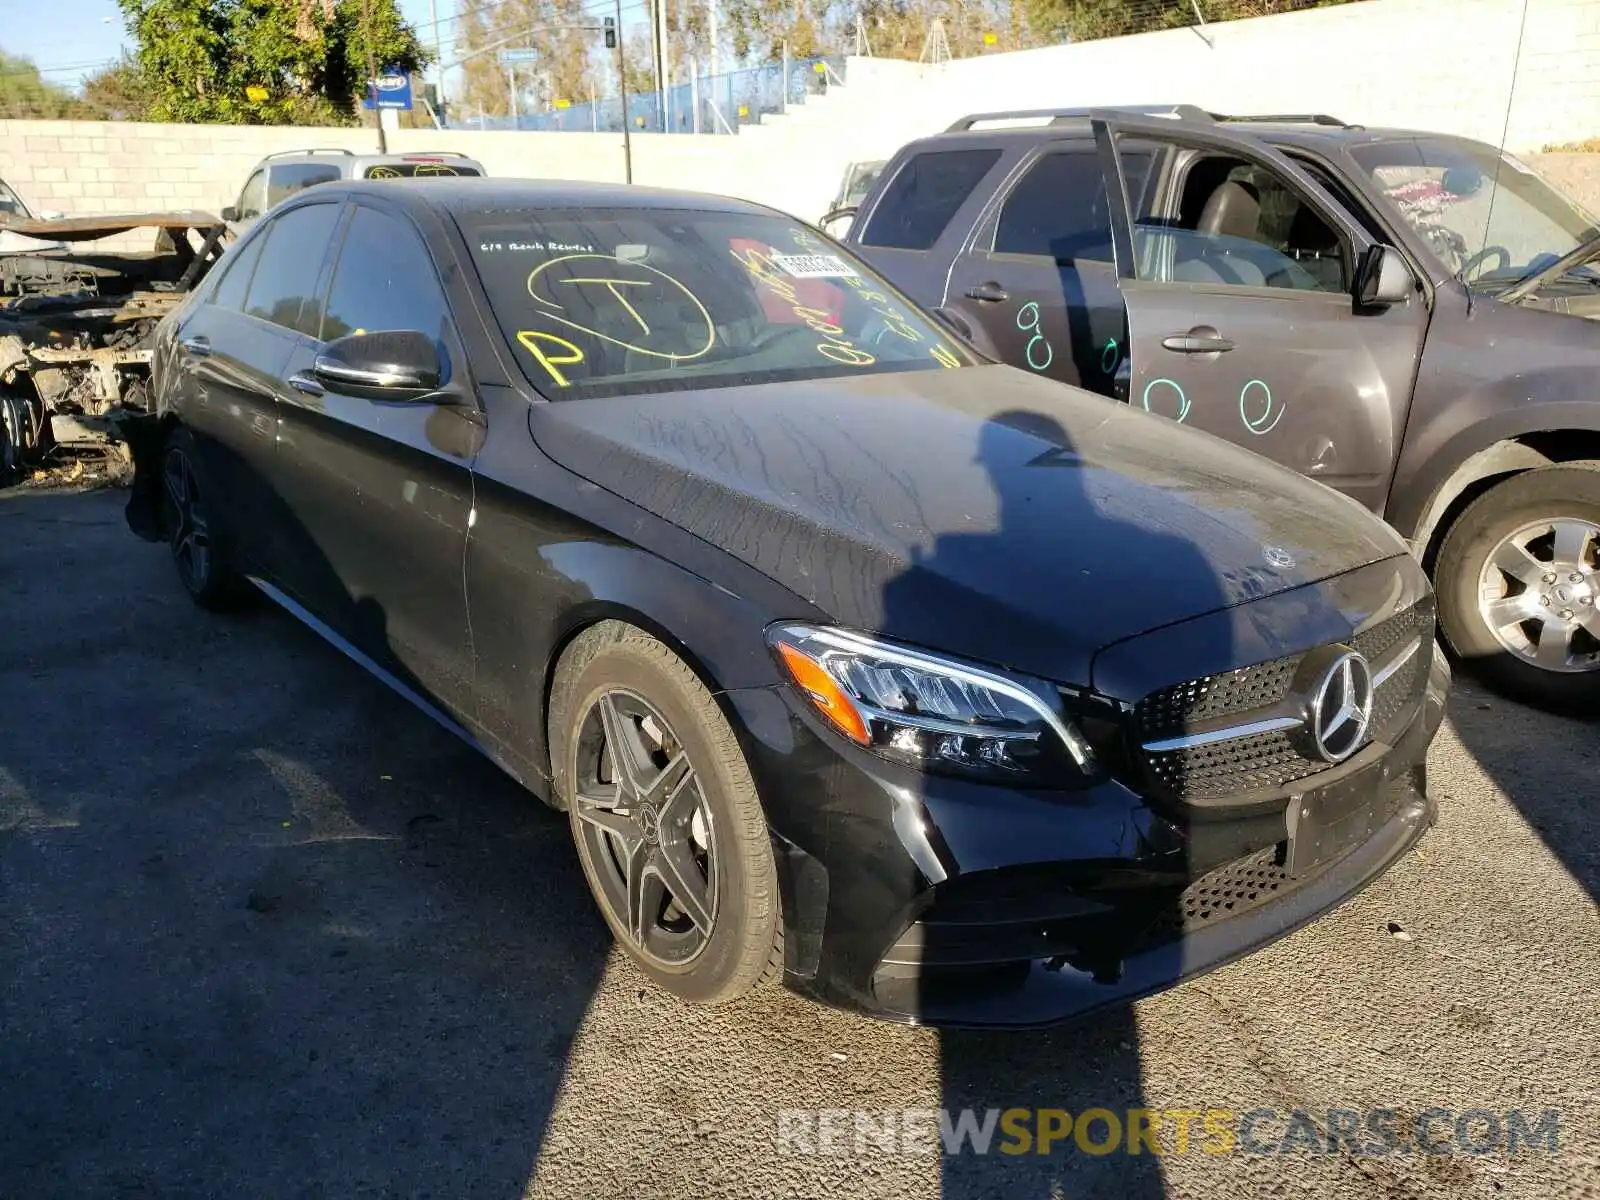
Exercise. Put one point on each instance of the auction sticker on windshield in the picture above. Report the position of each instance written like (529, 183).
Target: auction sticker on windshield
(813, 266)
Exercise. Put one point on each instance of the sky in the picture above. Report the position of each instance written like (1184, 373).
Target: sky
(68, 39)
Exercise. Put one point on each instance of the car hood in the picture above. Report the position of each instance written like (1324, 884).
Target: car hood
(981, 511)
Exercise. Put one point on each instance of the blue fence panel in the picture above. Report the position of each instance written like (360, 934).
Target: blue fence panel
(721, 102)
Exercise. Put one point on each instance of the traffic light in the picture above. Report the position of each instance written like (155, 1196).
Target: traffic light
(610, 24)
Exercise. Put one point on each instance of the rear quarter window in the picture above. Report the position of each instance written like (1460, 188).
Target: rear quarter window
(924, 194)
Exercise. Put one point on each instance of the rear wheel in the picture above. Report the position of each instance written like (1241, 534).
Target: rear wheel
(670, 832)
(203, 568)
(1518, 578)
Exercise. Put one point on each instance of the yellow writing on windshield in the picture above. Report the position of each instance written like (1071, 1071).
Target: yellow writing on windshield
(539, 345)
(618, 289)
(944, 358)
(834, 344)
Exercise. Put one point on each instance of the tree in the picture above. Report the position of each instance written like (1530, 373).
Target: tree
(25, 94)
(264, 62)
(118, 92)
(566, 65)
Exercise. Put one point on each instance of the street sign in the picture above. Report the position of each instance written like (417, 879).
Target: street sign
(507, 57)
(393, 90)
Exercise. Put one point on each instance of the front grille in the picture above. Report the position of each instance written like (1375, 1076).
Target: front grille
(1266, 761)
(1165, 713)
(1263, 760)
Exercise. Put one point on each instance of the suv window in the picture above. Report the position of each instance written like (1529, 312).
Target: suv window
(1059, 208)
(384, 279)
(11, 203)
(420, 170)
(924, 195)
(253, 196)
(236, 266)
(1240, 224)
(290, 178)
(287, 274)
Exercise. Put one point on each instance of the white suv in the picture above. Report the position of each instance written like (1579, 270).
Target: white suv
(279, 175)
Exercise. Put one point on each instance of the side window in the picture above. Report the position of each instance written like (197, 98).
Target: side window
(1241, 224)
(924, 195)
(290, 178)
(383, 280)
(1060, 209)
(286, 275)
(236, 266)
(253, 196)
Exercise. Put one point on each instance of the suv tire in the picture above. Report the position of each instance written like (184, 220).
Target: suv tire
(1496, 524)
(707, 827)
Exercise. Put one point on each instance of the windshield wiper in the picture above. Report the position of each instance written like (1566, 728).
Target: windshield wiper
(1567, 263)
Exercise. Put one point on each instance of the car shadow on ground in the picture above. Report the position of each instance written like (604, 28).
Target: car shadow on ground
(1557, 799)
(346, 953)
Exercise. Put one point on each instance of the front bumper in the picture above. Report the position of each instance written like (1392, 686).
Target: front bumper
(939, 901)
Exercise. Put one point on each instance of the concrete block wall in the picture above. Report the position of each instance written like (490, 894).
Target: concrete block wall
(1450, 65)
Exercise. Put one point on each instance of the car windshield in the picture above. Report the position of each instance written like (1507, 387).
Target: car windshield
(608, 301)
(1488, 217)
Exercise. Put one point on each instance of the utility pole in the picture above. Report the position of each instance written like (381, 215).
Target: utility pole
(438, 55)
(372, 75)
(658, 20)
(711, 5)
(622, 84)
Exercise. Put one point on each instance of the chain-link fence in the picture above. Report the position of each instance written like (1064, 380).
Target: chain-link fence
(709, 104)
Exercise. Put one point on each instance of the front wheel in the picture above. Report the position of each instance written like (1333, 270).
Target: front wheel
(1518, 579)
(669, 829)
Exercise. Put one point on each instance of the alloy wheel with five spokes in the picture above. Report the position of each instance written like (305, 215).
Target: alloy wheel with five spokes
(186, 520)
(646, 829)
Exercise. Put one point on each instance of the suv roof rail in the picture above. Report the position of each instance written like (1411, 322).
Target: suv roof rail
(308, 150)
(1287, 119)
(1061, 116)
(429, 154)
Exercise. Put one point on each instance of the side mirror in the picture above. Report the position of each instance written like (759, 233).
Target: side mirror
(231, 213)
(395, 365)
(1383, 279)
(846, 213)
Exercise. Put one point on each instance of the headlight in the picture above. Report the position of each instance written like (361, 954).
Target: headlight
(932, 712)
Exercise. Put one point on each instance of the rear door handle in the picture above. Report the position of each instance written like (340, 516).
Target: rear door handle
(989, 292)
(303, 382)
(199, 345)
(1189, 343)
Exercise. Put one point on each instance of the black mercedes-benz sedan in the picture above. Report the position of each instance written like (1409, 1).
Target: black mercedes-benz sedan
(938, 689)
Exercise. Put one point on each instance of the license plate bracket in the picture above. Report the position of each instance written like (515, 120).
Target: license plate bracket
(1330, 821)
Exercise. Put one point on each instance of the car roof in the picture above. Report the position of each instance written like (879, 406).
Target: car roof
(338, 155)
(487, 194)
(1308, 130)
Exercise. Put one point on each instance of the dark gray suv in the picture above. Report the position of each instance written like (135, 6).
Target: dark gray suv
(1404, 316)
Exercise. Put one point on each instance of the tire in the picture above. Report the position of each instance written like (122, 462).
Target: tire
(199, 556)
(1513, 514)
(724, 937)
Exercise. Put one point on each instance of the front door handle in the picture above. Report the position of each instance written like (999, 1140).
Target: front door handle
(304, 382)
(1197, 341)
(1185, 343)
(199, 345)
(989, 292)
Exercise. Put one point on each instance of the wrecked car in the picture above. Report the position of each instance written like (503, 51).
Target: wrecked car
(75, 324)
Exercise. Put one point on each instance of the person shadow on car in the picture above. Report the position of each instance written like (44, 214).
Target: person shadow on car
(1036, 946)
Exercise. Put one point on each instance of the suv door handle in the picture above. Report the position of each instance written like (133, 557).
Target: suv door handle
(199, 345)
(990, 292)
(301, 381)
(1190, 343)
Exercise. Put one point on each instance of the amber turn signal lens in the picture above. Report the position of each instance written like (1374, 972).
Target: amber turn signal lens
(826, 695)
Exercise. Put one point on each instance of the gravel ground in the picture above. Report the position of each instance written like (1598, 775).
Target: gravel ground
(265, 930)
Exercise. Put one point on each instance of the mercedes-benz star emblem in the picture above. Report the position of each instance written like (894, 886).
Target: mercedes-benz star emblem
(1341, 707)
